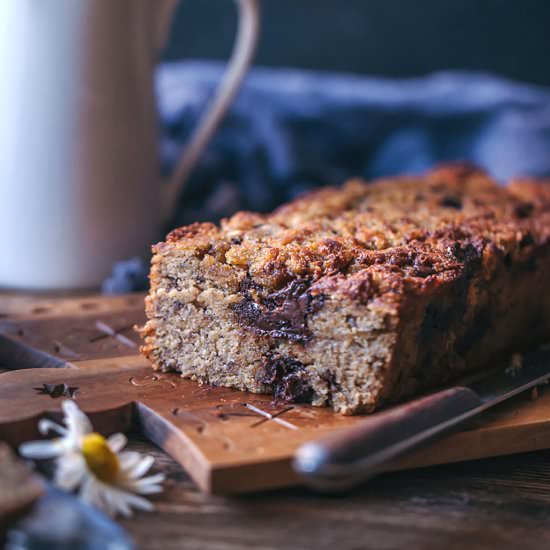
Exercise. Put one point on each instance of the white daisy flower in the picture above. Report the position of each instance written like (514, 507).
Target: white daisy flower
(105, 476)
(77, 425)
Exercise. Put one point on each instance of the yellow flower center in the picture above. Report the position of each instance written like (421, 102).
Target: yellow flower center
(101, 460)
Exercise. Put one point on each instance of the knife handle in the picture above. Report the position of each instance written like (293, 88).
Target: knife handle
(348, 457)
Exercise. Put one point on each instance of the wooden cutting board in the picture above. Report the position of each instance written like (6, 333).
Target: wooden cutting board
(228, 441)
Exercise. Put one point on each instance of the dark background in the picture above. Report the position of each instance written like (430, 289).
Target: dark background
(396, 38)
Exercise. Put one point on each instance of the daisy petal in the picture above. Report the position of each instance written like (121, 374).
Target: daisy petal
(135, 501)
(45, 425)
(70, 473)
(85, 489)
(107, 502)
(128, 459)
(112, 504)
(120, 505)
(89, 492)
(76, 421)
(125, 501)
(40, 449)
(117, 442)
(156, 478)
(151, 480)
(142, 467)
(149, 490)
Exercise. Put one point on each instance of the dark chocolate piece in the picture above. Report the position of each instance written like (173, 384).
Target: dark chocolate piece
(524, 210)
(449, 201)
(282, 314)
(286, 378)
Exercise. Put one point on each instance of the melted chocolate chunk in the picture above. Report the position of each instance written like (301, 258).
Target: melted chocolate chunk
(449, 201)
(526, 240)
(282, 314)
(285, 376)
(468, 251)
(524, 210)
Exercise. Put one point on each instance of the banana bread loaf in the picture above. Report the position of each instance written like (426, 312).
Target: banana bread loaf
(355, 296)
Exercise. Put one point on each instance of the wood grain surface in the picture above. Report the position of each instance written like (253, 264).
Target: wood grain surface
(494, 503)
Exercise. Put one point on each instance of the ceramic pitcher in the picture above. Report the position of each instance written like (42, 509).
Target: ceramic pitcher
(78, 135)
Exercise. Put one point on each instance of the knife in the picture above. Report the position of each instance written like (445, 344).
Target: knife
(347, 458)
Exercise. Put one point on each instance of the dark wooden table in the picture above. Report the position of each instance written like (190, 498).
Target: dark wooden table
(494, 503)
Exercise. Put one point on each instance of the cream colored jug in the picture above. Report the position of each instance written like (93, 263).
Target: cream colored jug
(78, 135)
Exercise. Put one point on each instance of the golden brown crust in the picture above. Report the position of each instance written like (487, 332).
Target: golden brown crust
(417, 228)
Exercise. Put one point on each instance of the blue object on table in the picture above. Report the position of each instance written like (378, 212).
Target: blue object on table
(127, 276)
(290, 131)
(62, 522)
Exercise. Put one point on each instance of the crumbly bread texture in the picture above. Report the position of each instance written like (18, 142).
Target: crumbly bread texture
(356, 296)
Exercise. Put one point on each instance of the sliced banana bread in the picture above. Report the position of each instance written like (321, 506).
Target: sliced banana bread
(355, 296)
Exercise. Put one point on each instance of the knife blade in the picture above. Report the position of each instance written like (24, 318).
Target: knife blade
(347, 458)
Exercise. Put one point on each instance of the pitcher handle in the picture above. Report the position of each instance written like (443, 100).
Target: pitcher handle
(241, 57)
